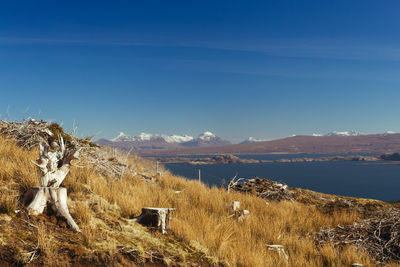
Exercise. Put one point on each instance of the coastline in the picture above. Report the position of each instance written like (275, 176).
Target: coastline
(232, 159)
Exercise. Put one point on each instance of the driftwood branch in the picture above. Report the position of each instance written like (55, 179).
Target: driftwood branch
(233, 183)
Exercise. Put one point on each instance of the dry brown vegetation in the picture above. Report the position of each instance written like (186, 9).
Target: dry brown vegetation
(201, 230)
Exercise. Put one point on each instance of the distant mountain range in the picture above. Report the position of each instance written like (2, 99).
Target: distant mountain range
(209, 143)
(335, 143)
(334, 133)
(347, 133)
(147, 141)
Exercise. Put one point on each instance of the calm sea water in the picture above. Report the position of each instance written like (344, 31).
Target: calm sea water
(340, 178)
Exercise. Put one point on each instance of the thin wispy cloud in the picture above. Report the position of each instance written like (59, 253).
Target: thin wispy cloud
(291, 48)
(38, 40)
(310, 48)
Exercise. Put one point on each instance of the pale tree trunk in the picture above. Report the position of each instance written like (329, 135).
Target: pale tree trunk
(54, 166)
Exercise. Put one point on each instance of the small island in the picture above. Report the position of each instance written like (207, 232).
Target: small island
(232, 159)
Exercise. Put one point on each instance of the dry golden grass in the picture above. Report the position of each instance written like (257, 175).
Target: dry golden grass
(17, 174)
(46, 244)
(103, 205)
(201, 218)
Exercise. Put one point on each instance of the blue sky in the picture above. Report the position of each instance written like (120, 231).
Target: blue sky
(266, 69)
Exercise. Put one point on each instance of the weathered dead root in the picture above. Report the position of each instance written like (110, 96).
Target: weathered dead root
(380, 236)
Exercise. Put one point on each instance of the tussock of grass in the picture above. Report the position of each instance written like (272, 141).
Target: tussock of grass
(57, 131)
(201, 229)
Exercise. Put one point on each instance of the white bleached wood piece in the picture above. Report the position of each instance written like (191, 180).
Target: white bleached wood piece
(280, 250)
(239, 214)
(233, 183)
(55, 165)
(235, 205)
(243, 215)
(155, 217)
(56, 198)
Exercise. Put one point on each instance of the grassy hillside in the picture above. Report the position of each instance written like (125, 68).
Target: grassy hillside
(201, 231)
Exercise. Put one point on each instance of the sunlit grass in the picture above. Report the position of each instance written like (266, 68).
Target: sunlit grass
(102, 206)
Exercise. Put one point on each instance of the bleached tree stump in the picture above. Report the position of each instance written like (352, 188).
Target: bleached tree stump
(155, 217)
(54, 166)
(56, 198)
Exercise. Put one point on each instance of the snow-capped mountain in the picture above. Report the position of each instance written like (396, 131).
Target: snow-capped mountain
(146, 141)
(252, 140)
(315, 134)
(144, 137)
(177, 138)
(122, 137)
(207, 136)
(206, 139)
(346, 133)
(337, 133)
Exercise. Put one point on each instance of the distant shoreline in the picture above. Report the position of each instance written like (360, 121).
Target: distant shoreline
(232, 159)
